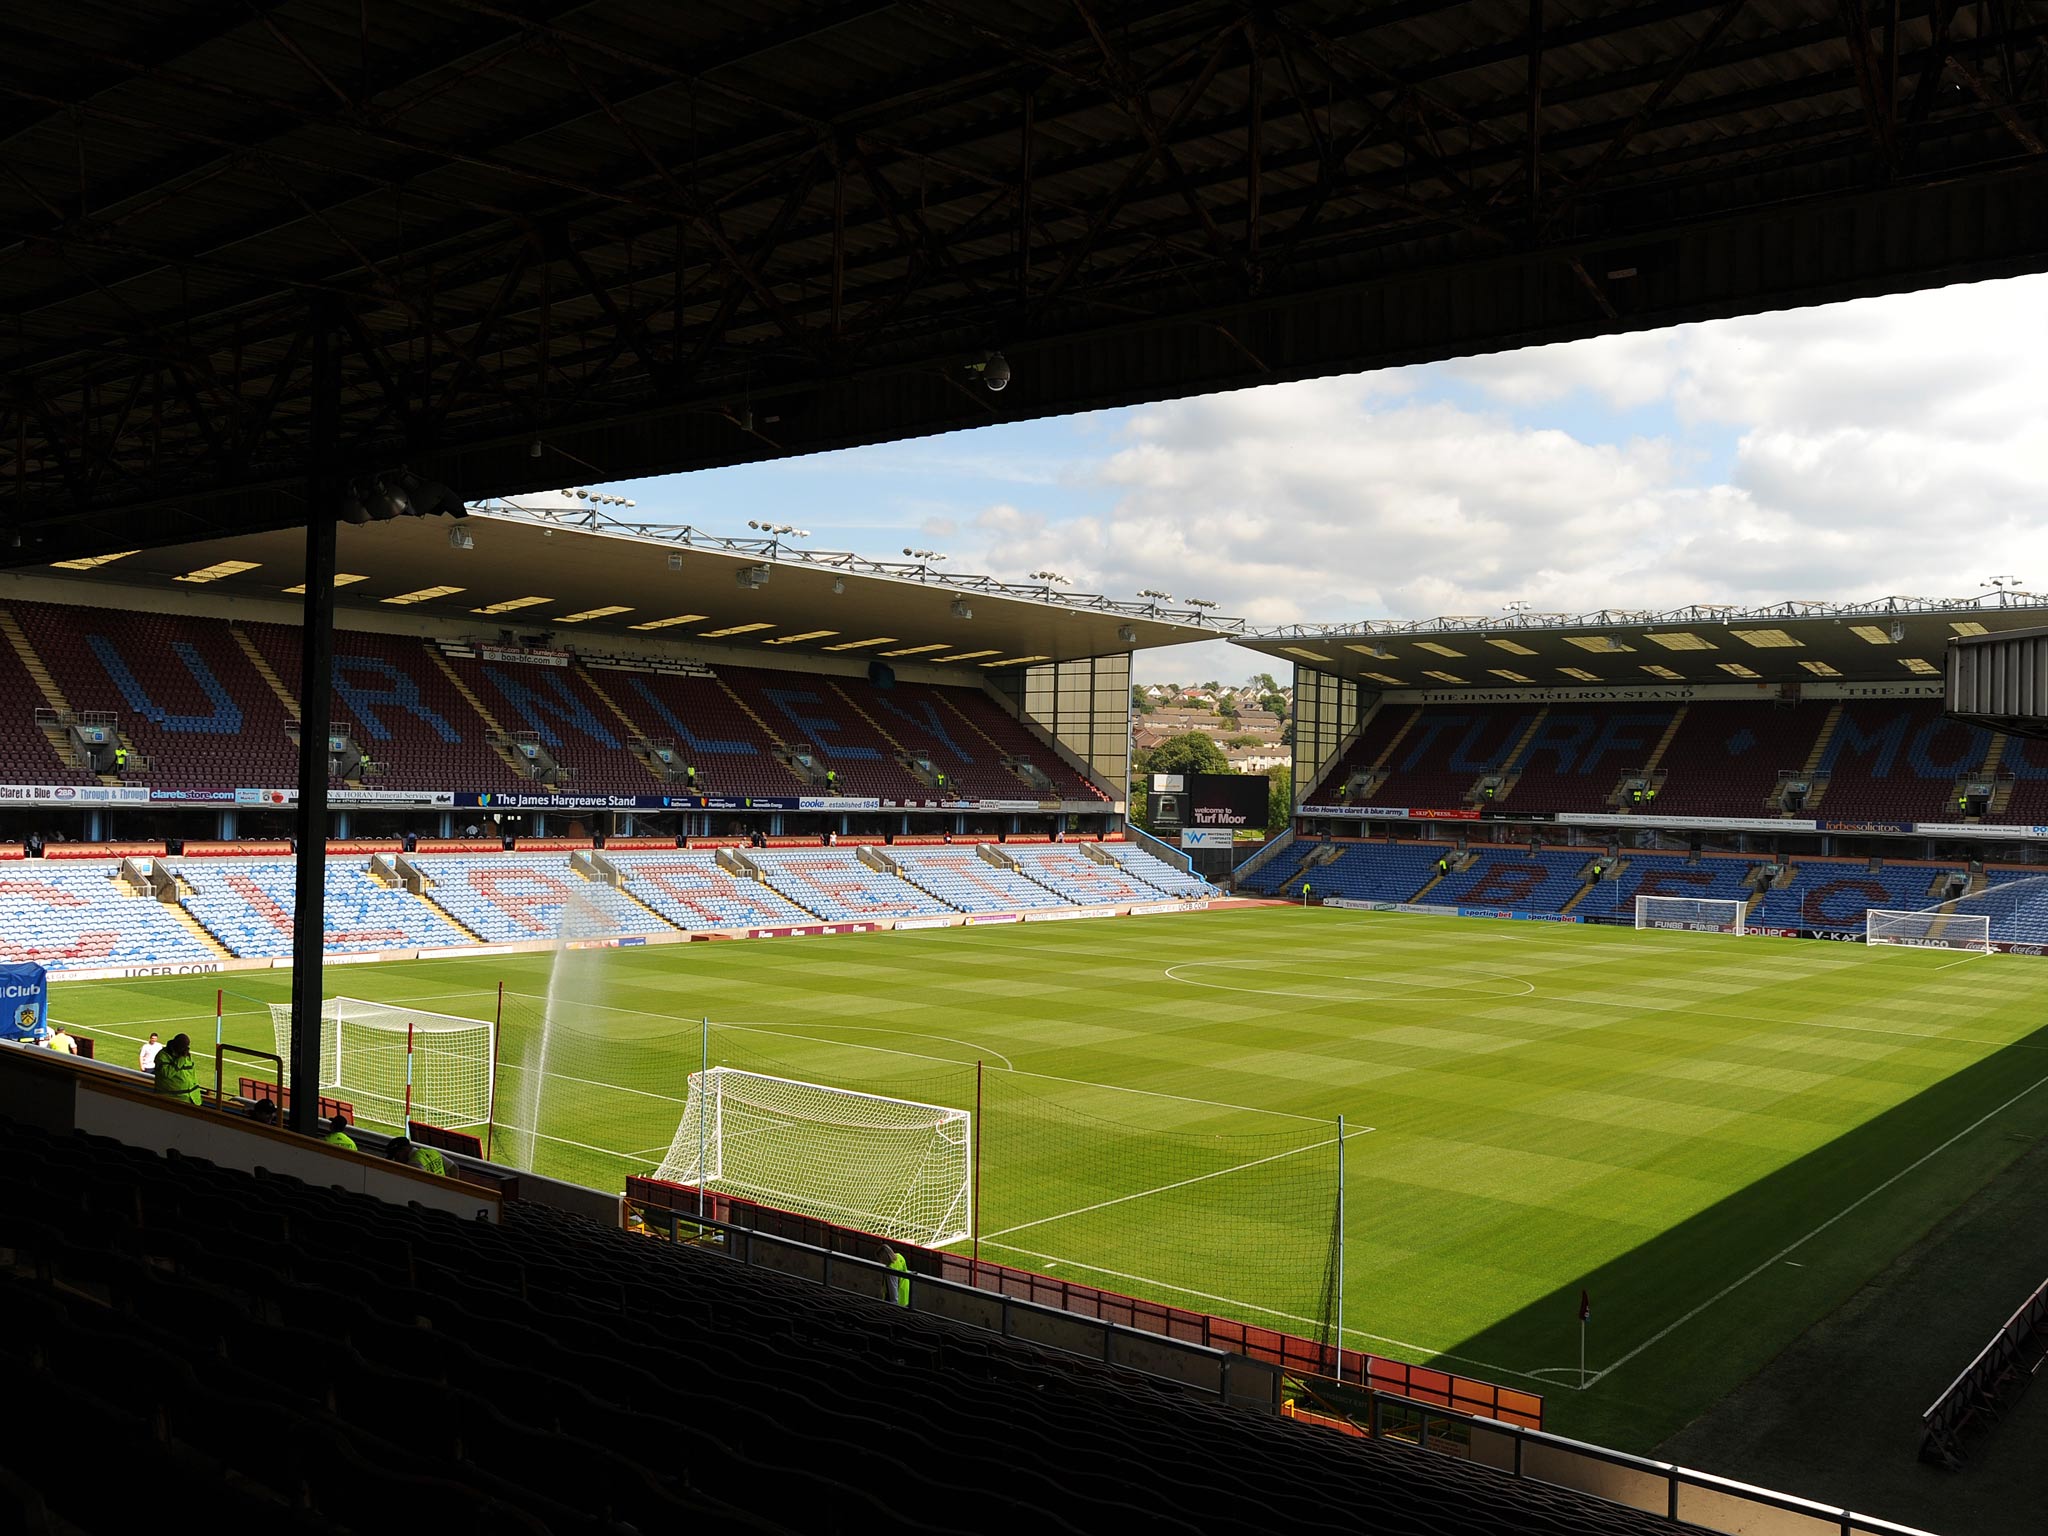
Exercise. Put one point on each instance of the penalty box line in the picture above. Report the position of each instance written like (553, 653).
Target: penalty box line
(1200, 1178)
(1779, 1257)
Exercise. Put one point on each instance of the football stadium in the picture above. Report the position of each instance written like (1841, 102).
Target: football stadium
(523, 1018)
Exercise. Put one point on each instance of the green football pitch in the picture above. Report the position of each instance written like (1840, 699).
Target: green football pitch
(1718, 1139)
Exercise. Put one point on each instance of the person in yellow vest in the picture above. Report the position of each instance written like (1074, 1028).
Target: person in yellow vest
(899, 1276)
(120, 759)
(426, 1159)
(177, 1074)
(60, 1042)
(337, 1134)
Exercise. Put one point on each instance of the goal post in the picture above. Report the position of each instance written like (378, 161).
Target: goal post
(1692, 914)
(895, 1168)
(395, 1063)
(1930, 928)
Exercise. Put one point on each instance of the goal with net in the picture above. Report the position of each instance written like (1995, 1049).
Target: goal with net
(1928, 929)
(1691, 914)
(394, 1063)
(891, 1167)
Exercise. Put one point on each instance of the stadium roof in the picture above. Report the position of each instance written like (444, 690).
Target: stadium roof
(608, 586)
(531, 241)
(1889, 640)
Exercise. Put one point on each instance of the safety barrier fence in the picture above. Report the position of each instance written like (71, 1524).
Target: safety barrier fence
(1988, 1383)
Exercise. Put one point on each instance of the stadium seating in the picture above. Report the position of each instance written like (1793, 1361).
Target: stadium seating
(1384, 728)
(26, 756)
(962, 878)
(694, 892)
(557, 704)
(1727, 757)
(1898, 762)
(836, 885)
(968, 735)
(188, 698)
(1666, 874)
(247, 905)
(806, 710)
(1832, 895)
(551, 1375)
(505, 898)
(711, 730)
(1282, 869)
(2016, 901)
(1157, 873)
(402, 708)
(1372, 872)
(1069, 873)
(73, 916)
(1516, 880)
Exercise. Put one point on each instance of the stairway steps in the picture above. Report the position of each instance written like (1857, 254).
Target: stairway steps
(266, 672)
(491, 721)
(1664, 742)
(632, 729)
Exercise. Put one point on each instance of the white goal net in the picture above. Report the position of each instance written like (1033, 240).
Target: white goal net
(891, 1167)
(389, 1061)
(1928, 929)
(1691, 914)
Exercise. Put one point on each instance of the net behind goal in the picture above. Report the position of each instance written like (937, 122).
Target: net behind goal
(1928, 929)
(893, 1167)
(1691, 914)
(393, 1062)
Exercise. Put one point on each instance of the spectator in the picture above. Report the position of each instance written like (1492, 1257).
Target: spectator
(59, 1041)
(899, 1282)
(426, 1159)
(337, 1133)
(151, 1049)
(177, 1074)
(264, 1112)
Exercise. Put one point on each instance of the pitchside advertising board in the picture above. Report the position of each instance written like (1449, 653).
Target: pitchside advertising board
(1219, 802)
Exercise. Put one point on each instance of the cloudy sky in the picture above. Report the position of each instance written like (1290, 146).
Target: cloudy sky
(1893, 445)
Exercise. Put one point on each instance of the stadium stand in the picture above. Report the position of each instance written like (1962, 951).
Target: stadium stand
(247, 905)
(1079, 879)
(835, 884)
(1712, 877)
(405, 711)
(503, 898)
(713, 732)
(1517, 880)
(1572, 758)
(1372, 872)
(557, 704)
(807, 711)
(969, 735)
(1157, 873)
(188, 698)
(2016, 901)
(1832, 895)
(1897, 762)
(74, 916)
(1382, 730)
(693, 891)
(1726, 758)
(551, 1375)
(26, 755)
(962, 878)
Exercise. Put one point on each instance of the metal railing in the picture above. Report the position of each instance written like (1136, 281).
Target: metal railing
(1229, 1378)
(220, 1056)
(774, 548)
(1981, 1388)
(1699, 1500)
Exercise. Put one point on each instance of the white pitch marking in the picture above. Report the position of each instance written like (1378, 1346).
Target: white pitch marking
(1793, 1247)
(1200, 1178)
(1974, 955)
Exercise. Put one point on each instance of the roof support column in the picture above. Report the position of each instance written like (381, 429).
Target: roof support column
(316, 697)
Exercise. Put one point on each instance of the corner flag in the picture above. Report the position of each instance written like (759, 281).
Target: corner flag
(1585, 1307)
